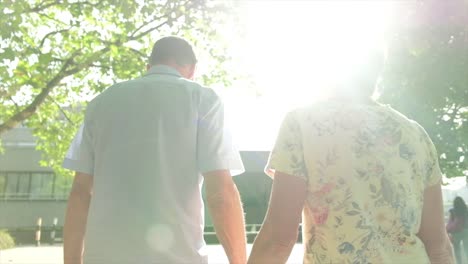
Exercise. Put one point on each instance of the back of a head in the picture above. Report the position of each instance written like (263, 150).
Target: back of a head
(459, 206)
(172, 50)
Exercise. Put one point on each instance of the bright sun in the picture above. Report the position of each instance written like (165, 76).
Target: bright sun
(292, 49)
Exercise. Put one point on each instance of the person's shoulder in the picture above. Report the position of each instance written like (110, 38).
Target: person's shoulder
(397, 114)
(403, 119)
(315, 110)
(203, 95)
(297, 114)
(105, 94)
(195, 86)
(413, 129)
(205, 92)
(109, 91)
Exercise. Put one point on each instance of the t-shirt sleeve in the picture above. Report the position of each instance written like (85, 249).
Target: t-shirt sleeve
(430, 162)
(287, 155)
(80, 155)
(215, 149)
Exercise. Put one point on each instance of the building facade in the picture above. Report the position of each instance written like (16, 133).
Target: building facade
(29, 192)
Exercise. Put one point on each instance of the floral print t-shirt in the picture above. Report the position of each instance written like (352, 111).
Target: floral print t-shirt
(366, 167)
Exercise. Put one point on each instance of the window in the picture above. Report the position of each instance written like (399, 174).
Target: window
(42, 185)
(33, 186)
(17, 185)
(24, 180)
(2, 182)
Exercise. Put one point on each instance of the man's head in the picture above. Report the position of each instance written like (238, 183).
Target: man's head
(176, 53)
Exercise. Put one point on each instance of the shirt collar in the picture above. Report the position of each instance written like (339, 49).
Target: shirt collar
(163, 69)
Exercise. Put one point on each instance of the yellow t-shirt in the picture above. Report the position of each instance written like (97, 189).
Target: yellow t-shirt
(366, 167)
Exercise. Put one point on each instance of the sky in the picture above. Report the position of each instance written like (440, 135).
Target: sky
(293, 50)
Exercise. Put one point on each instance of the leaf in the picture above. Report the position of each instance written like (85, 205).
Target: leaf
(432, 99)
(45, 59)
(359, 224)
(352, 213)
(356, 206)
(8, 54)
(77, 54)
(364, 239)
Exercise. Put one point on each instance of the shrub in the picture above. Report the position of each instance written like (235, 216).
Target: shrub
(6, 241)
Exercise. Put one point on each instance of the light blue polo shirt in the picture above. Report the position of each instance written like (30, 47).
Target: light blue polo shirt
(146, 143)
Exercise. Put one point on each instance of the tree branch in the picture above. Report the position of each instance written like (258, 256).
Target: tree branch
(61, 110)
(100, 66)
(133, 37)
(53, 19)
(64, 72)
(14, 102)
(137, 52)
(38, 100)
(89, 3)
(50, 34)
(149, 30)
(145, 24)
(42, 6)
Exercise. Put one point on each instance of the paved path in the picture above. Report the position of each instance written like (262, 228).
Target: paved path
(53, 255)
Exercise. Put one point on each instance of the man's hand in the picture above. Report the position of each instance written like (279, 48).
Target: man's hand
(226, 211)
(75, 219)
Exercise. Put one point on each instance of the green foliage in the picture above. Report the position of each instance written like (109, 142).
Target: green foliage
(6, 241)
(57, 55)
(427, 76)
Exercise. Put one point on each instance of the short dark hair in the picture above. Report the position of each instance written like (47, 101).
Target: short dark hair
(459, 207)
(172, 49)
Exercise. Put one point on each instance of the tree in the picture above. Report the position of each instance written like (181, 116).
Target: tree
(427, 75)
(55, 55)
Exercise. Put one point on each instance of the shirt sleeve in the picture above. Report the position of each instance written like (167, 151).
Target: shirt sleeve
(287, 155)
(215, 149)
(430, 163)
(80, 155)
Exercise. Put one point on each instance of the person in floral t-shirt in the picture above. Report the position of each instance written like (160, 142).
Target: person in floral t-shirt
(365, 178)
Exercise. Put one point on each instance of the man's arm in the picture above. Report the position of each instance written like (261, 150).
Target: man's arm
(75, 219)
(432, 231)
(227, 214)
(280, 227)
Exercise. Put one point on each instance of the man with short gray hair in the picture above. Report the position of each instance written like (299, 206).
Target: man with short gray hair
(145, 149)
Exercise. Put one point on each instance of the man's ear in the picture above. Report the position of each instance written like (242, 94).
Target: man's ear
(191, 71)
(187, 70)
